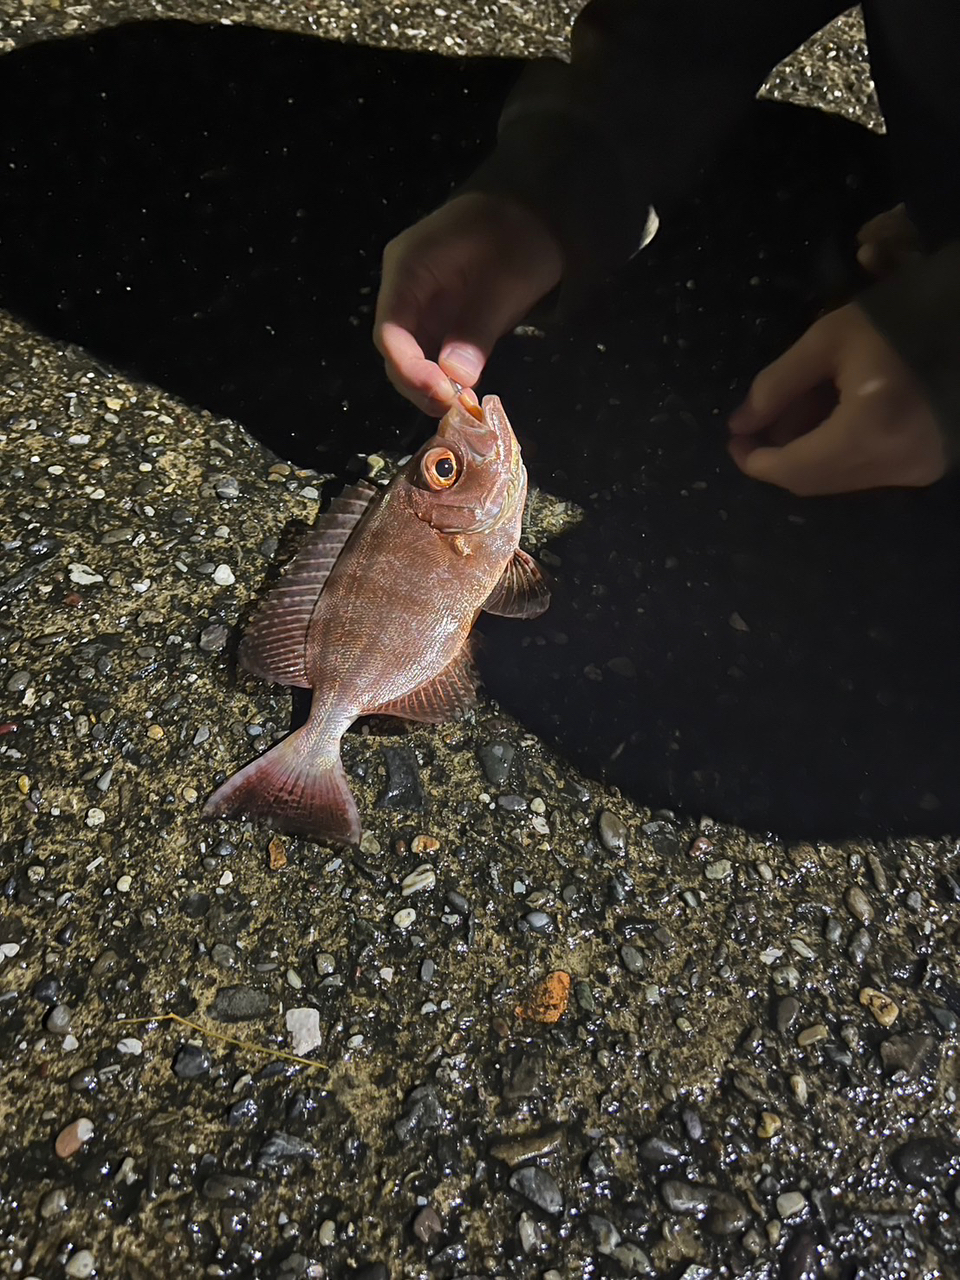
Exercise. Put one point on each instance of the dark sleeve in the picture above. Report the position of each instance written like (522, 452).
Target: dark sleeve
(651, 88)
(918, 311)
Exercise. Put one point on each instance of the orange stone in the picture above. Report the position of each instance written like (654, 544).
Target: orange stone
(548, 1000)
(278, 855)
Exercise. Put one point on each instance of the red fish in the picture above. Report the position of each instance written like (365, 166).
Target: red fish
(375, 612)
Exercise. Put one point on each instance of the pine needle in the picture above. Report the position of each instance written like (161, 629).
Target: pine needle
(218, 1035)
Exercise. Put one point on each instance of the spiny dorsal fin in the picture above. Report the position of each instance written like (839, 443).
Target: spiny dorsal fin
(522, 591)
(447, 696)
(274, 646)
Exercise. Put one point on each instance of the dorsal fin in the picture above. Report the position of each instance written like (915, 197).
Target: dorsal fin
(274, 645)
(448, 696)
(522, 591)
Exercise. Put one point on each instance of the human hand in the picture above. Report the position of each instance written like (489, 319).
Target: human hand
(453, 284)
(838, 412)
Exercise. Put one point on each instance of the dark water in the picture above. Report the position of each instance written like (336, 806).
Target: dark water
(206, 208)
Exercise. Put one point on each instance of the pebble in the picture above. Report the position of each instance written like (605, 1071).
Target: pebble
(790, 1203)
(539, 1188)
(528, 1230)
(95, 817)
(909, 1053)
(799, 1087)
(58, 1019)
(634, 961)
(80, 1265)
(124, 884)
(214, 637)
(223, 576)
(659, 1151)
(54, 1203)
(327, 1235)
(770, 1124)
(812, 1035)
(18, 681)
(72, 1138)
(223, 956)
(496, 759)
(223, 1187)
(405, 917)
(787, 1011)
(424, 877)
(924, 1161)
(728, 1216)
(613, 833)
(46, 989)
(402, 790)
(604, 1233)
(303, 1027)
(529, 1146)
(681, 1196)
(191, 1061)
(722, 869)
(539, 921)
(858, 904)
(885, 1010)
(130, 1045)
(859, 946)
(239, 1004)
(427, 1224)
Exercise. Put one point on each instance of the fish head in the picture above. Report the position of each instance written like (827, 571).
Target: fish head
(469, 477)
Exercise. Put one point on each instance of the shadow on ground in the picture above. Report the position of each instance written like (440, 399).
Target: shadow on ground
(206, 208)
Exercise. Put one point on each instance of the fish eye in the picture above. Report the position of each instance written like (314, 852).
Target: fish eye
(440, 468)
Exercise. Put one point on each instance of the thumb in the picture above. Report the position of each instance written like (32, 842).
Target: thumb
(472, 336)
(809, 362)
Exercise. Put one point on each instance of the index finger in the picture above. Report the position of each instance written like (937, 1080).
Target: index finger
(419, 379)
(809, 362)
(824, 461)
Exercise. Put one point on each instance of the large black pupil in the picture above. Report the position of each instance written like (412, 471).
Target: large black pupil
(445, 468)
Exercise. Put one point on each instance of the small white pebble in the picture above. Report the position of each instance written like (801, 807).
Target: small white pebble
(386, 973)
(124, 884)
(96, 817)
(226, 878)
(83, 575)
(9, 949)
(223, 576)
(80, 1265)
(424, 877)
(69, 1043)
(131, 1045)
(538, 805)
(404, 917)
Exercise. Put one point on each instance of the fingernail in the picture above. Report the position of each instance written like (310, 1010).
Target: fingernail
(461, 362)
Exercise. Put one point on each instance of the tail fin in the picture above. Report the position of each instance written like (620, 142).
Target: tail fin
(293, 791)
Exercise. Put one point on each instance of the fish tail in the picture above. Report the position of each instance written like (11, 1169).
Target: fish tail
(293, 789)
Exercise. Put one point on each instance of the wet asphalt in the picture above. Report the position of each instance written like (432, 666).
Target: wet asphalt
(753, 1070)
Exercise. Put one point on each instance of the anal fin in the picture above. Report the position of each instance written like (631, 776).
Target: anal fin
(523, 590)
(448, 696)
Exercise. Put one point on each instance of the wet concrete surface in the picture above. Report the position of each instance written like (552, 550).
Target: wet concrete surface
(753, 1070)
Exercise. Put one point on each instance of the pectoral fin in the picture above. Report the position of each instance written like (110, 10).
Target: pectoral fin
(274, 645)
(447, 696)
(522, 591)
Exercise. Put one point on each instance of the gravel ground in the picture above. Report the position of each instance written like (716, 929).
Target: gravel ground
(531, 1028)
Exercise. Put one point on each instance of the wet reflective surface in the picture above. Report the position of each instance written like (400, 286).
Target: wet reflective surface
(755, 1071)
(781, 663)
